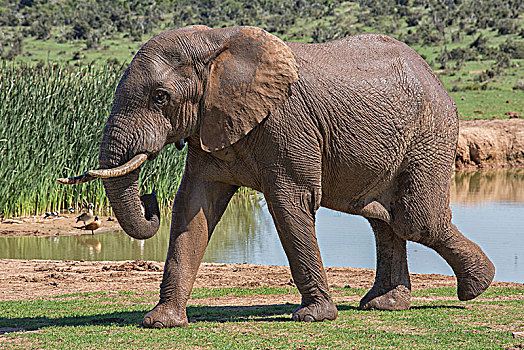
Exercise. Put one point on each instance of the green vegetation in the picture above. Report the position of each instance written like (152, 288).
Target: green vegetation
(62, 60)
(477, 47)
(51, 122)
(110, 320)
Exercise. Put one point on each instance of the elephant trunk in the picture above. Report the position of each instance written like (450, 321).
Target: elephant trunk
(138, 216)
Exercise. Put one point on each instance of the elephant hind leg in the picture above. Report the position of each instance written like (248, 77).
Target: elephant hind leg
(421, 214)
(472, 267)
(392, 287)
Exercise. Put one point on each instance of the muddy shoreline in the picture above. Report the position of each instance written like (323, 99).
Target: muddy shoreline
(61, 225)
(30, 279)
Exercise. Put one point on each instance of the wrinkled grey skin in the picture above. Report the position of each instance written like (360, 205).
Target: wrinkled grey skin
(360, 125)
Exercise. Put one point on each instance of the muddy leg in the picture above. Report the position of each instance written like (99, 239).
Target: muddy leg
(472, 267)
(392, 287)
(422, 214)
(197, 209)
(295, 223)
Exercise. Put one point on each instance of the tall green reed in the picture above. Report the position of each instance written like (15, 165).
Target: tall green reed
(51, 122)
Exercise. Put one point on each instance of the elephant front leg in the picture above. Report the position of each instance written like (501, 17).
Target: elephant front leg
(295, 223)
(392, 287)
(197, 209)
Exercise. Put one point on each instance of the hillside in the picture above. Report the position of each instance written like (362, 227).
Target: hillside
(476, 47)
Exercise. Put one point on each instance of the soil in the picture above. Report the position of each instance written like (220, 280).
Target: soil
(30, 279)
(61, 225)
(491, 143)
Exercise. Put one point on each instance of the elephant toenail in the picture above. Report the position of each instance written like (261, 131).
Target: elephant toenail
(158, 324)
(146, 322)
(309, 318)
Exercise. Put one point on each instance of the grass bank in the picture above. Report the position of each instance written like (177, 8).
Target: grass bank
(110, 320)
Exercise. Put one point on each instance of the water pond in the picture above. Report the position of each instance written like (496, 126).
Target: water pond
(487, 206)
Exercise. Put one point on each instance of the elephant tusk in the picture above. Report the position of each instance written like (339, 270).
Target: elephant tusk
(128, 167)
(76, 180)
(105, 173)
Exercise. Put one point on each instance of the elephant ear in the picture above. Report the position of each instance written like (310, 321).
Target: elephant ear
(249, 78)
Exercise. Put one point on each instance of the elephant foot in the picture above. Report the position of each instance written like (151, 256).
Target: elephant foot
(316, 311)
(395, 299)
(476, 280)
(164, 316)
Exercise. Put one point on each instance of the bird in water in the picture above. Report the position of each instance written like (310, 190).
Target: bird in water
(93, 225)
(86, 216)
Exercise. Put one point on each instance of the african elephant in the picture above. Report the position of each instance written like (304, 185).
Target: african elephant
(360, 125)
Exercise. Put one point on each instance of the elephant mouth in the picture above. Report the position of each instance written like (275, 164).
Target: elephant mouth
(121, 170)
(153, 156)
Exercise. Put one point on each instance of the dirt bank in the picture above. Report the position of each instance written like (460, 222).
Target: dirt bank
(29, 279)
(490, 144)
(61, 225)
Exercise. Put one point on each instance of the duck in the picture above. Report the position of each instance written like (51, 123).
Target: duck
(50, 214)
(86, 216)
(93, 225)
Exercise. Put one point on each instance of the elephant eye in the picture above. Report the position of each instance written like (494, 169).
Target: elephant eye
(160, 97)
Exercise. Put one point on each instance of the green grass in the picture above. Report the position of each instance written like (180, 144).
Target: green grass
(485, 104)
(493, 292)
(110, 320)
(52, 51)
(201, 293)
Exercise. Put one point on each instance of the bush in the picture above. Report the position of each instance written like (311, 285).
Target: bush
(506, 26)
(463, 54)
(11, 46)
(92, 40)
(475, 87)
(41, 30)
(503, 61)
(485, 76)
(515, 49)
(80, 30)
(426, 35)
(519, 85)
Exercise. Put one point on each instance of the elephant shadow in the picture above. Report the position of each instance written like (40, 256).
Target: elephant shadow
(121, 319)
(425, 307)
(260, 313)
(268, 313)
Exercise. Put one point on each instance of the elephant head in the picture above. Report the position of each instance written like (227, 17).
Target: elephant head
(214, 84)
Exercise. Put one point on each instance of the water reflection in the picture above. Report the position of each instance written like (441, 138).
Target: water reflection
(488, 207)
(238, 236)
(493, 185)
(93, 245)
